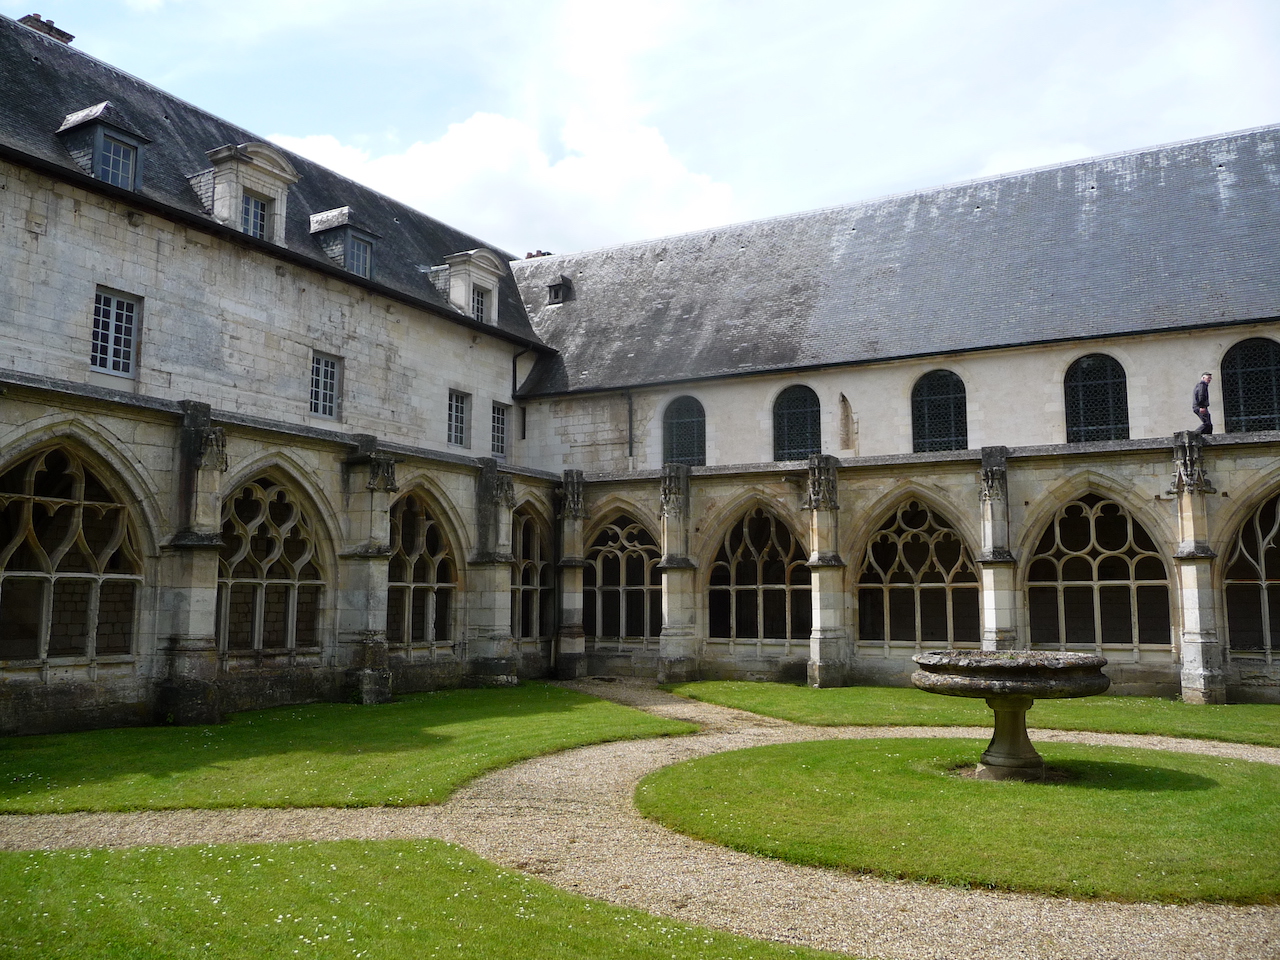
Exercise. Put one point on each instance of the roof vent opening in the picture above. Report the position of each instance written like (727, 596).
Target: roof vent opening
(46, 27)
(560, 290)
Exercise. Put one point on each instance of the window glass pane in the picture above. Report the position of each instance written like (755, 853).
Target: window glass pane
(797, 422)
(1244, 616)
(1153, 615)
(1042, 603)
(1097, 400)
(939, 417)
(902, 615)
(933, 615)
(966, 619)
(801, 614)
(1077, 605)
(1251, 386)
(684, 433)
(718, 608)
(870, 614)
(1117, 615)
(746, 623)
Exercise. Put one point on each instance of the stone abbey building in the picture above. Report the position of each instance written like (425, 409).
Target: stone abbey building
(268, 436)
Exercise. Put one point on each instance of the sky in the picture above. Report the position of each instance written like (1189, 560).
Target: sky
(566, 125)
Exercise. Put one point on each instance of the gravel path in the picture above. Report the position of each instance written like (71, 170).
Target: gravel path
(569, 819)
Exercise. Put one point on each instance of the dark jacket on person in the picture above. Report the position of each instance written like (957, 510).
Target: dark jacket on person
(1200, 397)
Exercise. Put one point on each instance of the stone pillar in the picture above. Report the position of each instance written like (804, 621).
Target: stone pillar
(492, 649)
(1201, 652)
(571, 650)
(828, 639)
(370, 477)
(189, 595)
(996, 564)
(678, 646)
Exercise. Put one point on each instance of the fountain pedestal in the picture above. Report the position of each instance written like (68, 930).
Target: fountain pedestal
(1010, 682)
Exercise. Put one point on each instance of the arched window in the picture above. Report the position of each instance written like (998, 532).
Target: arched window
(532, 579)
(1097, 580)
(939, 418)
(1097, 398)
(1251, 386)
(421, 581)
(684, 433)
(269, 578)
(760, 583)
(622, 585)
(70, 567)
(797, 424)
(918, 584)
(1252, 586)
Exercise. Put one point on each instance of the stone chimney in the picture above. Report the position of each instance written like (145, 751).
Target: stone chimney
(46, 27)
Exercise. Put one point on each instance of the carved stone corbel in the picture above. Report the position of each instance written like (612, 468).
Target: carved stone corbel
(572, 490)
(675, 491)
(1189, 474)
(822, 492)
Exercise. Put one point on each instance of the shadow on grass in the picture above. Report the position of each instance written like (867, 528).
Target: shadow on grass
(1143, 778)
(413, 723)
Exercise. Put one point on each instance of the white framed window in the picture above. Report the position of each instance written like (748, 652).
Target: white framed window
(253, 215)
(115, 334)
(360, 257)
(326, 384)
(480, 303)
(116, 162)
(457, 433)
(498, 431)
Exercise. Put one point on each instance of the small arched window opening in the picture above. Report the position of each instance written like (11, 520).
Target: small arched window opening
(1096, 580)
(532, 581)
(939, 415)
(1252, 585)
(1097, 399)
(1251, 386)
(797, 424)
(684, 433)
(422, 581)
(622, 585)
(270, 583)
(918, 584)
(70, 566)
(760, 586)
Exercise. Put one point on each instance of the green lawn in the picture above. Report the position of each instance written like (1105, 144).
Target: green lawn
(1126, 825)
(899, 706)
(414, 751)
(393, 900)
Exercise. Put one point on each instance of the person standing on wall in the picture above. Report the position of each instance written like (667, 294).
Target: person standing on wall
(1200, 403)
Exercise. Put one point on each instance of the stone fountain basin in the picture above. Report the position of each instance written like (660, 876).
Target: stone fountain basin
(1040, 675)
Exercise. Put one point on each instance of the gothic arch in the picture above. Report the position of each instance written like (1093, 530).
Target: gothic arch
(705, 544)
(102, 448)
(917, 581)
(1160, 527)
(421, 482)
(301, 481)
(533, 575)
(607, 510)
(622, 585)
(868, 517)
(424, 579)
(76, 579)
(759, 585)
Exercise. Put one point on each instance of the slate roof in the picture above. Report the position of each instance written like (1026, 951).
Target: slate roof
(43, 80)
(1172, 237)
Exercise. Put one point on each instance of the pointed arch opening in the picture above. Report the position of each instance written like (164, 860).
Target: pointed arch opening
(71, 568)
(1096, 580)
(622, 588)
(271, 585)
(918, 584)
(422, 582)
(1251, 386)
(1252, 586)
(532, 583)
(1096, 393)
(760, 587)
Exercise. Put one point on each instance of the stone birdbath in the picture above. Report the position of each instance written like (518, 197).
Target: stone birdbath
(1010, 681)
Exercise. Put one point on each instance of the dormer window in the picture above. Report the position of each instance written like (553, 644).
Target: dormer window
(480, 303)
(346, 244)
(474, 277)
(253, 216)
(101, 141)
(560, 290)
(247, 188)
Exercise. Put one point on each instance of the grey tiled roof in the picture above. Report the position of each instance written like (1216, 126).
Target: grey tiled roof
(1171, 237)
(42, 81)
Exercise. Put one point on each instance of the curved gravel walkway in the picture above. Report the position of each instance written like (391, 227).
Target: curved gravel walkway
(569, 819)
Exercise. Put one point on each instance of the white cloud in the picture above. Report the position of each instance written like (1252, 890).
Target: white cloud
(488, 175)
